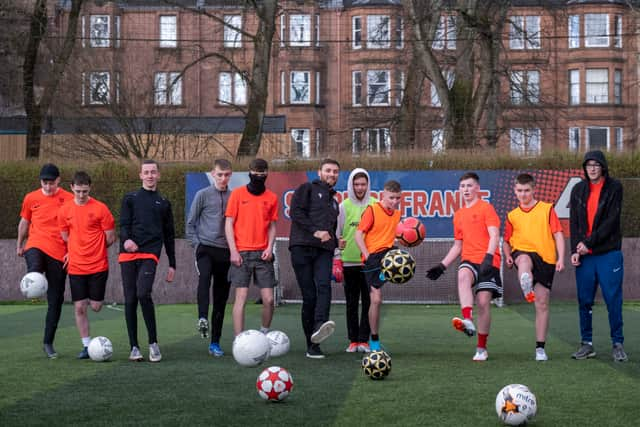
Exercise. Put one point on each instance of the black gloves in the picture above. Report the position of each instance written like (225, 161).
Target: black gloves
(487, 265)
(434, 272)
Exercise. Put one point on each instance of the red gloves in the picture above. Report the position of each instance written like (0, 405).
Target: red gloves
(336, 271)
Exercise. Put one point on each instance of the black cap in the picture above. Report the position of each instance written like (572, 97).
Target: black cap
(49, 172)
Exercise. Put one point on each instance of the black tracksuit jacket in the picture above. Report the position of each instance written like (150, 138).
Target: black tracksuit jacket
(313, 208)
(147, 219)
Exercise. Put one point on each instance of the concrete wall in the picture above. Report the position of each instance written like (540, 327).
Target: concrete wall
(183, 289)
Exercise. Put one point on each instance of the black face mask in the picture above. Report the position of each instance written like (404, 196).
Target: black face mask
(256, 184)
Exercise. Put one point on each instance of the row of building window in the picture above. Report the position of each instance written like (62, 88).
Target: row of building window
(296, 31)
(522, 141)
(374, 90)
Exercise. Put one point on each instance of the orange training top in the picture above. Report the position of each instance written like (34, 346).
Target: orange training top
(42, 213)
(87, 243)
(379, 227)
(532, 230)
(471, 226)
(252, 216)
(592, 204)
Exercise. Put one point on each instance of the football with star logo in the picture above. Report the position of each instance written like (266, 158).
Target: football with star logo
(516, 405)
(274, 384)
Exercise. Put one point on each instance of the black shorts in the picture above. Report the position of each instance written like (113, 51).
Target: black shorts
(88, 286)
(542, 271)
(488, 283)
(372, 269)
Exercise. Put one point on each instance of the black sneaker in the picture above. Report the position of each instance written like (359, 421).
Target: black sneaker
(50, 351)
(314, 352)
(84, 354)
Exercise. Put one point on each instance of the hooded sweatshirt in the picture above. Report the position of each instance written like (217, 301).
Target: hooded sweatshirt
(349, 217)
(605, 235)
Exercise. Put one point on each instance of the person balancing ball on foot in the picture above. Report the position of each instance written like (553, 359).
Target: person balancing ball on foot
(532, 236)
(88, 228)
(41, 245)
(375, 236)
(476, 229)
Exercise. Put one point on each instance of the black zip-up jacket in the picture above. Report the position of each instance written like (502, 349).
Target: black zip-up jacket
(313, 208)
(605, 235)
(147, 219)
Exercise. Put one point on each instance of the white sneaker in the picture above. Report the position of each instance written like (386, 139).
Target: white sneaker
(135, 355)
(203, 327)
(154, 353)
(464, 325)
(526, 283)
(324, 331)
(541, 356)
(481, 355)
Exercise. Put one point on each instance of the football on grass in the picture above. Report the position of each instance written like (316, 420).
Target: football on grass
(250, 348)
(274, 384)
(100, 349)
(516, 405)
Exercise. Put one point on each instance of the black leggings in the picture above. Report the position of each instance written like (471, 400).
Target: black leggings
(137, 284)
(56, 275)
(355, 288)
(212, 262)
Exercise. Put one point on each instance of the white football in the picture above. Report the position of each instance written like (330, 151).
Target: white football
(279, 343)
(100, 349)
(34, 285)
(250, 348)
(516, 404)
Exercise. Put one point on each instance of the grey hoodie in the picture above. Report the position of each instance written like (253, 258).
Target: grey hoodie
(364, 202)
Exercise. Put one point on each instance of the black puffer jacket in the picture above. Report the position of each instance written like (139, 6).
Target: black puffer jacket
(313, 208)
(606, 235)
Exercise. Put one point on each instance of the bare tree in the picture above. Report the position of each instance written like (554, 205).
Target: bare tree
(11, 56)
(479, 28)
(129, 125)
(259, 82)
(35, 108)
(257, 79)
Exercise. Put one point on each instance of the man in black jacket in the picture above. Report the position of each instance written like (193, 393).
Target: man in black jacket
(146, 223)
(596, 243)
(314, 217)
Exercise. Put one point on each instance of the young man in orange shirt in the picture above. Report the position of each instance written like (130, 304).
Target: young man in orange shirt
(375, 236)
(41, 245)
(89, 229)
(250, 228)
(146, 224)
(532, 236)
(476, 229)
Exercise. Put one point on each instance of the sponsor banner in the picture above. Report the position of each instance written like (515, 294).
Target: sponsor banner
(431, 196)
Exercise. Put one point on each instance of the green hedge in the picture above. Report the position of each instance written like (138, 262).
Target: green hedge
(112, 180)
